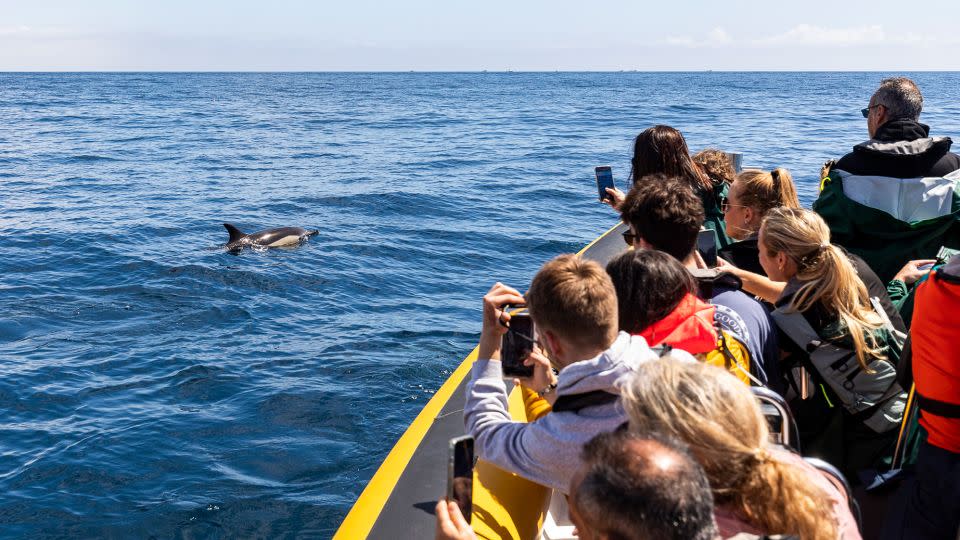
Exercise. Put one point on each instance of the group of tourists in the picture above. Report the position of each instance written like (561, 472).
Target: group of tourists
(846, 313)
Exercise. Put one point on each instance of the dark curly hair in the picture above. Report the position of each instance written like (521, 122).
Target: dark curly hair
(665, 212)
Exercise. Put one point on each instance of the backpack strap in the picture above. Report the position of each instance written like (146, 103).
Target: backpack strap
(576, 402)
(870, 395)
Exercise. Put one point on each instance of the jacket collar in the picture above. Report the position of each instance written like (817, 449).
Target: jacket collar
(904, 138)
(688, 327)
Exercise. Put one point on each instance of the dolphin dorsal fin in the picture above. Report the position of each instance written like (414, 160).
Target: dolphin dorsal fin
(235, 233)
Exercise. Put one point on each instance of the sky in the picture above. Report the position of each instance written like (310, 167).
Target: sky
(495, 35)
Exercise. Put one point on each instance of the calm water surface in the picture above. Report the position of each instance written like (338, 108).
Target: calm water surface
(153, 385)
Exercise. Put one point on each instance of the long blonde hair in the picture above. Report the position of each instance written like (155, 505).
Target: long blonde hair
(826, 275)
(717, 416)
(765, 190)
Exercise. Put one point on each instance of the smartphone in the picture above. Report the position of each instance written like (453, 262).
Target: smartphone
(516, 345)
(926, 267)
(604, 181)
(460, 474)
(707, 246)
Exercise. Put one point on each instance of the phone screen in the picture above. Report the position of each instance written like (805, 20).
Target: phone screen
(516, 345)
(460, 475)
(604, 181)
(707, 246)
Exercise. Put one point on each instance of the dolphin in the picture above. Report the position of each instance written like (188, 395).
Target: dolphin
(269, 238)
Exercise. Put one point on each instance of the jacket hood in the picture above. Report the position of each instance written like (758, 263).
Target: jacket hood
(688, 327)
(603, 372)
(902, 130)
(905, 138)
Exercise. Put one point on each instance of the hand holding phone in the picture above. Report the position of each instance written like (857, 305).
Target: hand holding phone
(460, 475)
(707, 247)
(517, 345)
(495, 318)
(604, 180)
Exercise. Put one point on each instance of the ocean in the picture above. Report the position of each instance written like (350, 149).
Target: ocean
(154, 385)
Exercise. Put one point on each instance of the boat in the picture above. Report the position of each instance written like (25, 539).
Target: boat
(399, 500)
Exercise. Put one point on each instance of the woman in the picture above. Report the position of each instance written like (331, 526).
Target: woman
(662, 149)
(847, 402)
(757, 489)
(753, 194)
(657, 299)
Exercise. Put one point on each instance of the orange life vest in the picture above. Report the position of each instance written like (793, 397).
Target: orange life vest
(688, 327)
(692, 328)
(935, 337)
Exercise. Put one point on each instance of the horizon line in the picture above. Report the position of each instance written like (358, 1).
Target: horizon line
(477, 71)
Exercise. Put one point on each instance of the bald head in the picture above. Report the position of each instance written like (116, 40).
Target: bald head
(640, 487)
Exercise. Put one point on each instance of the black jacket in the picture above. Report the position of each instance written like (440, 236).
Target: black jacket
(901, 149)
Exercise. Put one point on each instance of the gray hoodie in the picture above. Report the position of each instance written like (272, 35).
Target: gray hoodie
(547, 451)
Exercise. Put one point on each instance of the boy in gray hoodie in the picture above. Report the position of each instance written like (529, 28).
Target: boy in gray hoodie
(573, 306)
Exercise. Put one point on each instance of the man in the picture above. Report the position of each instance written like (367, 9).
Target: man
(573, 306)
(640, 487)
(628, 486)
(895, 197)
(664, 213)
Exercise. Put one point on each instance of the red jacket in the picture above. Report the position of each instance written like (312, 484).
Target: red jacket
(689, 327)
(935, 333)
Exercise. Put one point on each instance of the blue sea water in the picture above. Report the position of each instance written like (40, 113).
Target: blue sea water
(153, 385)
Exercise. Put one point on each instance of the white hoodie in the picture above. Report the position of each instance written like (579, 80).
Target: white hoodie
(547, 451)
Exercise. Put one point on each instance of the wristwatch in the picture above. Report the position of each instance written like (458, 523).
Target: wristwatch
(550, 388)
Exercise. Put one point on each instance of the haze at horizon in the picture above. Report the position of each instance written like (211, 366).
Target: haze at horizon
(427, 35)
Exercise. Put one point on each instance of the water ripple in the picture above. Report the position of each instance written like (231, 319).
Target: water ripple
(157, 386)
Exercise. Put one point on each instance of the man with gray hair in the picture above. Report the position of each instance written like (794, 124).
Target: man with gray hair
(896, 197)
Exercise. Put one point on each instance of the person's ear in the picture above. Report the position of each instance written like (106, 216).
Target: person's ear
(554, 345)
(781, 260)
(642, 244)
(881, 114)
(748, 215)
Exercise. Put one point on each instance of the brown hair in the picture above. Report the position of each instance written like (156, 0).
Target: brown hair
(765, 190)
(717, 416)
(716, 165)
(825, 273)
(662, 149)
(575, 298)
(666, 213)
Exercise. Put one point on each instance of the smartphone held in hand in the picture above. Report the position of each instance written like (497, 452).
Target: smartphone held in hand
(460, 474)
(516, 345)
(707, 246)
(604, 181)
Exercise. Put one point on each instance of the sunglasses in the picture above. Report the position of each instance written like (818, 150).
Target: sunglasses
(725, 204)
(629, 238)
(866, 112)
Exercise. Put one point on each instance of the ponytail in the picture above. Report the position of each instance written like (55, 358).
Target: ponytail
(717, 416)
(785, 496)
(826, 274)
(764, 191)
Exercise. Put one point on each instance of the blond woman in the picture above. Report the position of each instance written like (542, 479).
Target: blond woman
(836, 346)
(757, 488)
